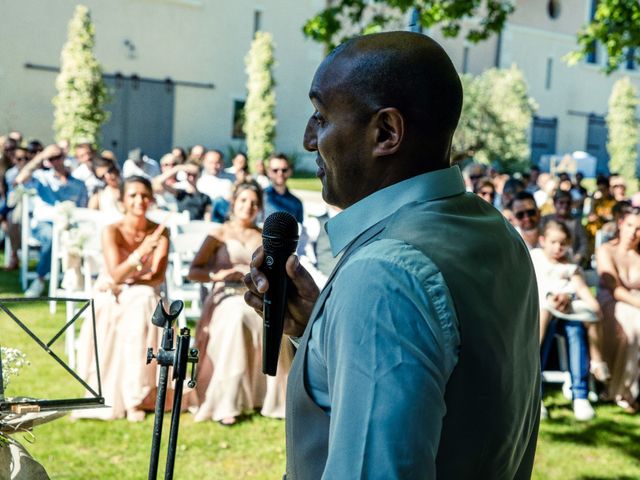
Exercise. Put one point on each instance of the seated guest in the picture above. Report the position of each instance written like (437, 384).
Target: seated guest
(618, 264)
(578, 195)
(163, 193)
(52, 186)
(214, 181)
(107, 199)
(84, 169)
(277, 197)
(260, 175)
(485, 189)
(127, 293)
(527, 218)
(11, 215)
(510, 189)
(472, 173)
(197, 153)
(580, 246)
(229, 333)
(187, 196)
(618, 188)
(239, 168)
(179, 155)
(139, 164)
(565, 303)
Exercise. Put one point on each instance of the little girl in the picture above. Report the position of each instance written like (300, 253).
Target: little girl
(563, 291)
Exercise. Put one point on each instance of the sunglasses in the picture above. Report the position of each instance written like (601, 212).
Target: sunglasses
(486, 193)
(57, 157)
(169, 164)
(526, 213)
(279, 170)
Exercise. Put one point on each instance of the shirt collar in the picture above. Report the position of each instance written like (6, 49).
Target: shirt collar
(348, 224)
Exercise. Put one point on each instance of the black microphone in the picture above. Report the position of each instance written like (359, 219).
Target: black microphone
(279, 241)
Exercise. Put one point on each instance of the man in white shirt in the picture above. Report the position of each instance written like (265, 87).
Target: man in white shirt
(141, 165)
(214, 181)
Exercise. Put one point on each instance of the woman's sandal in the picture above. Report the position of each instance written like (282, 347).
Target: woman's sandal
(228, 422)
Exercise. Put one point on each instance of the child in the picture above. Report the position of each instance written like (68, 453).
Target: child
(564, 295)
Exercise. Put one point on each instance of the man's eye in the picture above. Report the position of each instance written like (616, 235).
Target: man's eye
(318, 118)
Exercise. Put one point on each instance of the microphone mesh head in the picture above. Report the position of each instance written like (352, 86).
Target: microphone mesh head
(279, 227)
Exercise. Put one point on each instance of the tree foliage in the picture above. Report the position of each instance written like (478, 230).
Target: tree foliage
(622, 143)
(260, 122)
(496, 116)
(79, 104)
(616, 23)
(373, 15)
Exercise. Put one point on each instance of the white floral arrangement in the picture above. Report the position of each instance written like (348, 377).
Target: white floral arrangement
(74, 239)
(12, 361)
(64, 213)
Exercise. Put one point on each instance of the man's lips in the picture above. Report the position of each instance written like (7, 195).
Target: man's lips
(320, 170)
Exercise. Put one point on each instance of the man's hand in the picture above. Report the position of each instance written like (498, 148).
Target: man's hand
(300, 298)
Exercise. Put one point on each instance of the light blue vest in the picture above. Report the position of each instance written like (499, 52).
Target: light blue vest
(493, 395)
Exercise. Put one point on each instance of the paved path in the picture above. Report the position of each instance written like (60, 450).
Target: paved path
(312, 201)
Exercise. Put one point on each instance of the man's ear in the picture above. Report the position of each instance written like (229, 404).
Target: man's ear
(389, 131)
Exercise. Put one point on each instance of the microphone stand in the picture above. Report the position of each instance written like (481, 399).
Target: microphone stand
(178, 359)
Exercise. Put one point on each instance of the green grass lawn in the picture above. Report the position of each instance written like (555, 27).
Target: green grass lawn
(305, 181)
(606, 448)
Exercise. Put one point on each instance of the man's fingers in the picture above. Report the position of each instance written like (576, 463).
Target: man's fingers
(303, 281)
(254, 301)
(257, 277)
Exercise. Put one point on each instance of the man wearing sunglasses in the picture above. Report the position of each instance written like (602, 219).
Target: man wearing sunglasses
(277, 197)
(53, 186)
(527, 217)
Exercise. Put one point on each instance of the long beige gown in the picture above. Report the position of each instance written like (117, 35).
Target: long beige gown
(621, 342)
(124, 332)
(229, 336)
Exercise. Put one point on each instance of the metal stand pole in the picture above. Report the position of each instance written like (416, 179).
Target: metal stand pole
(178, 359)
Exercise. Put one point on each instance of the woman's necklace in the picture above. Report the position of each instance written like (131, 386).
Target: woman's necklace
(133, 234)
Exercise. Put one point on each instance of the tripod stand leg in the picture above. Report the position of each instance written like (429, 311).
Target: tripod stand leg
(157, 425)
(182, 349)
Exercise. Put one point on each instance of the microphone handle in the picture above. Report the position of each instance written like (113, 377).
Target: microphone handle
(275, 305)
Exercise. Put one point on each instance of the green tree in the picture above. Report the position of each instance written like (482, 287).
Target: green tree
(79, 104)
(616, 25)
(496, 115)
(622, 143)
(371, 16)
(616, 22)
(260, 123)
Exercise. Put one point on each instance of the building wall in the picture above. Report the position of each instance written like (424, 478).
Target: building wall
(201, 41)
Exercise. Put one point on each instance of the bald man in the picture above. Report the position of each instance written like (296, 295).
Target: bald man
(419, 358)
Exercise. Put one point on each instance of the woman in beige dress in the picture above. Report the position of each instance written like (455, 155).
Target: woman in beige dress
(619, 269)
(126, 294)
(229, 334)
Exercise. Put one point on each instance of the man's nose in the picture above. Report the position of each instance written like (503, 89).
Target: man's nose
(310, 142)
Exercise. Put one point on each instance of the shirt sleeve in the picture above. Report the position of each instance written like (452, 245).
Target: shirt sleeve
(390, 341)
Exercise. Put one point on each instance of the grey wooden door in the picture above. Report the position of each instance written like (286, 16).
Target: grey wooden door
(141, 116)
(543, 138)
(597, 142)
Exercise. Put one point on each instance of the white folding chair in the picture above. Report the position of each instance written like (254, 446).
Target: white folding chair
(184, 246)
(91, 221)
(29, 244)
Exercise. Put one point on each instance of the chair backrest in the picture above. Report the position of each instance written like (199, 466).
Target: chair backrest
(26, 239)
(197, 226)
(89, 224)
